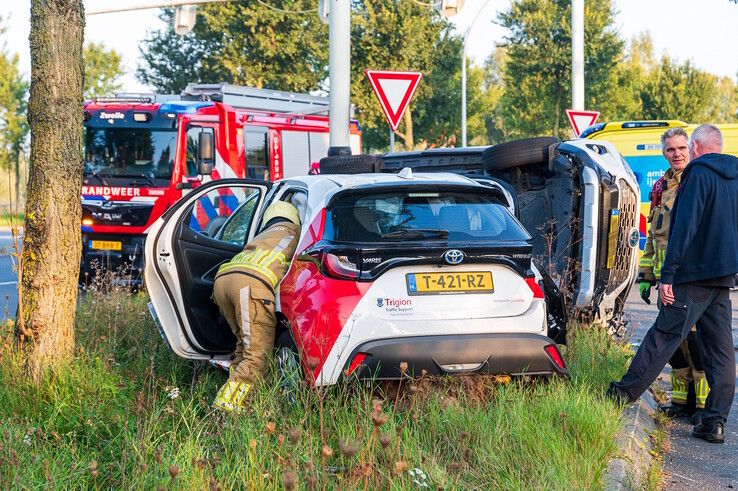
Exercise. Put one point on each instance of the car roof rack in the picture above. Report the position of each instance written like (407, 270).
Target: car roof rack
(273, 101)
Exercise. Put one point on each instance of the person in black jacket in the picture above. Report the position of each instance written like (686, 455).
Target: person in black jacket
(696, 277)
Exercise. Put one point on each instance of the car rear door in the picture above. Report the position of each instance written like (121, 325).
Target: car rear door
(184, 249)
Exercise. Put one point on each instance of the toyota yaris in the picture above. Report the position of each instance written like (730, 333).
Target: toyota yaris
(433, 270)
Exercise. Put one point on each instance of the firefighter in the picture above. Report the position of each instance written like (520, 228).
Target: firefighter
(245, 293)
(688, 383)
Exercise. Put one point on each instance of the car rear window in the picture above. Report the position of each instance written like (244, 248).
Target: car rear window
(421, 215)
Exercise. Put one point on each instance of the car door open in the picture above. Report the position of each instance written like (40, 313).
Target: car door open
(183, 251)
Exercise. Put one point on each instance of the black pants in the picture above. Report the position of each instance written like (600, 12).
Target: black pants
(710, 309)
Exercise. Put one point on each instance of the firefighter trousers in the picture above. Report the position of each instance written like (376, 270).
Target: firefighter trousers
(686, 370)
(712, 308)
(252, 320)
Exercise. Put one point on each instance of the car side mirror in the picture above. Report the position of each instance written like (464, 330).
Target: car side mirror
(205, 153)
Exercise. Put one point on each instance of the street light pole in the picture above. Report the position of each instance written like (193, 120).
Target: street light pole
(339, 71)
(463, 73)
(577, 55)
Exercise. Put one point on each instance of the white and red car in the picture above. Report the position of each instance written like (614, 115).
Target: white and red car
(433, 270)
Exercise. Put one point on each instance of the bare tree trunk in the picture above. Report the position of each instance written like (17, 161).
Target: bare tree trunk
(52, 243)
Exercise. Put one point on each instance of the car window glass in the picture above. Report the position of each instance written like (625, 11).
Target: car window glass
(257, 153)
(395, 215)
(193, 141)
(225, 213)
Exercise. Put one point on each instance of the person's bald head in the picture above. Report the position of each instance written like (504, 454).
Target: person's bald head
(705, 139)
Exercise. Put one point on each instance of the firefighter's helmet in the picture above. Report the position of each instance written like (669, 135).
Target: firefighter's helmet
(281, 209)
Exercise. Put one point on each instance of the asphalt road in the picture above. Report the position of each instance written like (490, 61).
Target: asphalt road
(691, 463)
(8, 277)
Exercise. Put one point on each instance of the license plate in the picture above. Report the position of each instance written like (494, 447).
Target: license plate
(106, 245)
(612, 238)
(439, 283)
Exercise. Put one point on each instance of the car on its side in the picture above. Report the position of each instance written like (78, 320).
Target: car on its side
(433, 270)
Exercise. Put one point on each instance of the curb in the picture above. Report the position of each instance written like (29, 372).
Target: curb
(629, 467)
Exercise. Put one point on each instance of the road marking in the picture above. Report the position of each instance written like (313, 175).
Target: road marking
(6, 283)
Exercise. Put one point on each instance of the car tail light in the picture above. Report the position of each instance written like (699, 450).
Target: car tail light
(534, 287)
(358, 360)
(340, 266)
(553, 352)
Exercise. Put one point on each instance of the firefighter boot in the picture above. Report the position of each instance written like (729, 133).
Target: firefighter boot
(232, 396)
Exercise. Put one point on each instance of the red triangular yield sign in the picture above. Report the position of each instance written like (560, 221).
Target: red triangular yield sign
(394, 91)
(581, 120)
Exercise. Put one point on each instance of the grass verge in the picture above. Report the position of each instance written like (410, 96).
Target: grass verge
(129, 414)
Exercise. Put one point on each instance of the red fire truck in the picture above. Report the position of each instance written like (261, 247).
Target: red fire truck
(142, 153)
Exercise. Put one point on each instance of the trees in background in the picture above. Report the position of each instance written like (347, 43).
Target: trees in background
(522, 90)
(250, 44)
(52, 244)
(103, 69)
(13, 124)
(537, 73)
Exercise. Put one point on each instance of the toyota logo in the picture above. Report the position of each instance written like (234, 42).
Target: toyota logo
(634, 237)
(453, 256)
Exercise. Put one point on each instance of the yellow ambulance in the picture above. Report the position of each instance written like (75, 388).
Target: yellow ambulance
(640, 143)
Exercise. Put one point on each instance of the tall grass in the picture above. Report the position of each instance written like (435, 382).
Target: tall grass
(128, 414)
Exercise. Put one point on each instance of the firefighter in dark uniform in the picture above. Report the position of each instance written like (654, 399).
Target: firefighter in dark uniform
(245, 293)
(688, 383)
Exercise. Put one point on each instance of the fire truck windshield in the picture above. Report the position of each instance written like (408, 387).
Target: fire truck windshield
(129, 152)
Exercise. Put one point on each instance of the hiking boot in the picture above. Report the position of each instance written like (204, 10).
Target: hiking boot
(710, 432)
(676, 410)
(697, 417)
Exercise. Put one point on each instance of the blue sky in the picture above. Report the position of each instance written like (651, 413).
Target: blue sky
(704, 31)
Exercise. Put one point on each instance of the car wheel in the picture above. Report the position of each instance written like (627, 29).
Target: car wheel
(516, 153)
(351, 164)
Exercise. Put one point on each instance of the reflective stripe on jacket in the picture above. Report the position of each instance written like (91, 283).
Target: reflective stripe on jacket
(267, 256)
(659, 219)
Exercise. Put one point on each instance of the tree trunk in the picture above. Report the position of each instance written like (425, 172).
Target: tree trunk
(409, 142)
(52, 243)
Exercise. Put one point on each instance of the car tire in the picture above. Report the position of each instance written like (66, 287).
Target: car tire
(516, 153)
(351, 164)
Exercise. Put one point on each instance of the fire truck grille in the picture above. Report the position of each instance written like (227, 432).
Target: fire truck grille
(122, 213)
(629, 213)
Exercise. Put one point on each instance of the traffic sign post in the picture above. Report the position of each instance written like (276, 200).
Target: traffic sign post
(581, 120)
(394, 91)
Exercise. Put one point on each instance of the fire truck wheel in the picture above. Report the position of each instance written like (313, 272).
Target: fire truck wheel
(517, 152)
(351, 164)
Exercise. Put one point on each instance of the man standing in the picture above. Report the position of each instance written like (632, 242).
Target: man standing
(701, 259)
(689, 387)
(244, 291)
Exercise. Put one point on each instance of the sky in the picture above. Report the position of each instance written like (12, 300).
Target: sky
(686, 29)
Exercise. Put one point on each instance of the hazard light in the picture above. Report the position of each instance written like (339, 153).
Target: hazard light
(142, 117)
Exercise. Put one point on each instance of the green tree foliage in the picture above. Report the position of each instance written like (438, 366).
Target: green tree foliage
(282, 45)
(537, 75)
(680, 91)
(407, 35)
(103, 68)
